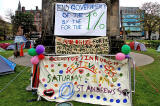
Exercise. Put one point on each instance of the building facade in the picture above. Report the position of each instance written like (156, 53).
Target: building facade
(130, 21)
(37, 18)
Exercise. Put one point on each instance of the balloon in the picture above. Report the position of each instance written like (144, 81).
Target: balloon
(32, 52)
(127, 56)
(41, 56)
(126, 49)
(35, 60)
(40, 49)
(120, 56)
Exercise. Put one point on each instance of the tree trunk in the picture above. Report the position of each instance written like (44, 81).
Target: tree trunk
(4, 35)
(149, 34)
(159, 34)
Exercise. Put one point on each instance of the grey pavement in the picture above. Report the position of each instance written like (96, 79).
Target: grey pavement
(140, 59)
(24, 61)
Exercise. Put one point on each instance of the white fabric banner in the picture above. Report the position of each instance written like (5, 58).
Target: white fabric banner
(80, 19)
(99, 45)
(85, 78)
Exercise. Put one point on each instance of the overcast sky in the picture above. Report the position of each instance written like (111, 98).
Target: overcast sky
(6, 5)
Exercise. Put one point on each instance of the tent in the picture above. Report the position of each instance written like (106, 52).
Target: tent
(6, 66)
(2, 50)
(11, 47)
(20, 39)
(158, 49)
(4, 45)
(139, 46)
(131, 44)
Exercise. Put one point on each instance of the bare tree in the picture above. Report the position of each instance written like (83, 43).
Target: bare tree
(150, 17)
(9, 14)
(3, 28)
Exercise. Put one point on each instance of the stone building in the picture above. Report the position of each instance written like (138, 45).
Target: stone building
(37, 17)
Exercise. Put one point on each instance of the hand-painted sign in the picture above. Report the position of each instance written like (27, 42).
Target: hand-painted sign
(98, 45)
(80, 19)
(85, 78)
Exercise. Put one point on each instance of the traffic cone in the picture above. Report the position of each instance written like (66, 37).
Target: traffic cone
(21, 51)
(30, 45)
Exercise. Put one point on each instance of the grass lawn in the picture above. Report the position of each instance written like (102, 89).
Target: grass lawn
(16, 94)
(147, 80)
(7, 41)
(9, 53)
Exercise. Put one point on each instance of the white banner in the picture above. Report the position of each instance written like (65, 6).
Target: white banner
(80, 19)
(99, 45)
(85, 78)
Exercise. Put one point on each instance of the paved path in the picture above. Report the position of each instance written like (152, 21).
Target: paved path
(140, 59)
(24, 61)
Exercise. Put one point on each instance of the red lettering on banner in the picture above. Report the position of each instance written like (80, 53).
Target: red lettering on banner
(86, 58)
(101, 60)
(77, 42)
(90, 58)
(116, 63)
(96, 58)
(69, 69)
(73, 58)
(80, 63)
(71, 42)
(65, 41)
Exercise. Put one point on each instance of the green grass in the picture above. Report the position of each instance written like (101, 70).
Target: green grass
(16, 94)
(9, 53)
(145, 94)
(7, 41)
(143, 41)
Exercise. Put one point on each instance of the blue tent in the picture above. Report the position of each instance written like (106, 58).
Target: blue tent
(158, 49)
(20, 39)
(6, 66)
(11, 47)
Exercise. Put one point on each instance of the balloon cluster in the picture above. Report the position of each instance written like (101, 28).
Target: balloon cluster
(125, 53)
(37, 54)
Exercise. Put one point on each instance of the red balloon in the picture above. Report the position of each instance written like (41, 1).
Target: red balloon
(41, 56)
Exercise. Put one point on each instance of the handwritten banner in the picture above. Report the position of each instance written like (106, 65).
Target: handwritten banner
(85, 78)
(80, 19)
(98, 45)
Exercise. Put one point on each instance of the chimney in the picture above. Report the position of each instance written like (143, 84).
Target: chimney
(36, 7)
(23, 9)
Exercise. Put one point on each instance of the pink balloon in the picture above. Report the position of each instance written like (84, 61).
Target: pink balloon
(35, 60)
(120, 56)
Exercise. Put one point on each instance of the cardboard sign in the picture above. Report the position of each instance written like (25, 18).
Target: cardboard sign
(85, 78)
(98, 45)
(80, 19)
